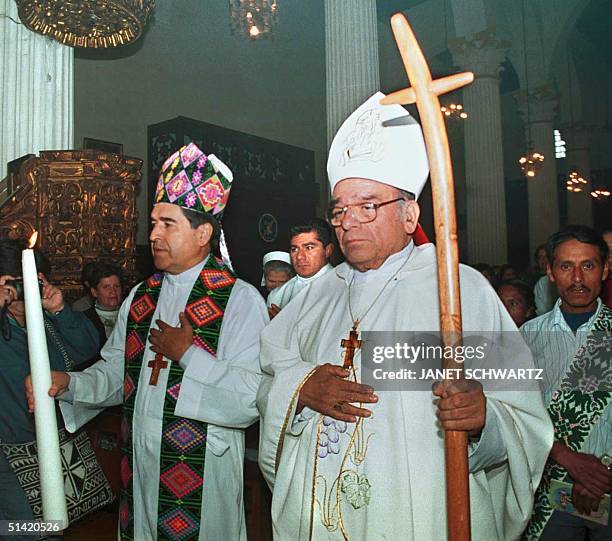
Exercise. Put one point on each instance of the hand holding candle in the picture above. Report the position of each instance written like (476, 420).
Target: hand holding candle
(51, 476)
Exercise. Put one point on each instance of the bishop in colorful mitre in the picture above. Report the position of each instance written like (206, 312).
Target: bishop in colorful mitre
(183, 360)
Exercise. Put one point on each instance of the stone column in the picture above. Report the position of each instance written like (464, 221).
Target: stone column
(351, 54)
(579, 205)
(36, 89)
(484, 161)
(541, 190)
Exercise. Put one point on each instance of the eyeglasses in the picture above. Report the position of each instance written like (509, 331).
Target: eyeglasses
(363, 212)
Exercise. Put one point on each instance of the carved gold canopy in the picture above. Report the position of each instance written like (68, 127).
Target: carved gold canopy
(83, 205)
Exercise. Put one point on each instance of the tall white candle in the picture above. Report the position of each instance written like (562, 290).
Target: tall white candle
(50, 465)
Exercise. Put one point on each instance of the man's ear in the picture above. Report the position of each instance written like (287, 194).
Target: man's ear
(411, 215)
(606, 271)
(204, 234)
(329, 250)
(549, 273)
(93, 292)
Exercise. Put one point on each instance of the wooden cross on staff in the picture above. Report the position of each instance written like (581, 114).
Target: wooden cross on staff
(424, 92)
(156, 364)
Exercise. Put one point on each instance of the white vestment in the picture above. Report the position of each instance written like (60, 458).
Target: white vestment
(218, 390)
(387, 482)
(283, 294)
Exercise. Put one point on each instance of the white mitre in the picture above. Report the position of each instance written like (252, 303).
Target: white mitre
(382, 143)
(274, 256)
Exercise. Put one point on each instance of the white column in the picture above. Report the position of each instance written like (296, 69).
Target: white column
(484, 161)
(36, 107)
(579, 205)
(541, 190)
(351, 54)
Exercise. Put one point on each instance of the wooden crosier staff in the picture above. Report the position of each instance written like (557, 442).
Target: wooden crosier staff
(424, 92)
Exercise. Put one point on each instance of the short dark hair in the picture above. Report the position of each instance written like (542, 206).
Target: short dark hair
(320, 227)
(196, 219)
(581, 233)
(524, 290)
(10, 258)
(104, 270)
(278, 266)
(86, 274)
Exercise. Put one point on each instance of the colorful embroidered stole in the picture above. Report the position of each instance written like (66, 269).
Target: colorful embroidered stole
(183, 442)
(575, 409)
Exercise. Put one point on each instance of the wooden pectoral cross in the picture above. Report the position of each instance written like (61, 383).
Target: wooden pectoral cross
(351, 344)
(157, 364)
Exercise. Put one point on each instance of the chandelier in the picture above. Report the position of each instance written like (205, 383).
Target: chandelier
(600, 193)
(87, 23)
(454, 111)
(575, 182)
(531, 163)
(254, 19)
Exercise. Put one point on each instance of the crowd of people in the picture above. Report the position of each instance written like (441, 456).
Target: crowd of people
(196, 355)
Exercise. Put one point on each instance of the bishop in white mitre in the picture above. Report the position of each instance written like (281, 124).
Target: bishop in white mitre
(348, 461)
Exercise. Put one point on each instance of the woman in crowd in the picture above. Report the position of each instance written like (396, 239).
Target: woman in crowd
(106, 288)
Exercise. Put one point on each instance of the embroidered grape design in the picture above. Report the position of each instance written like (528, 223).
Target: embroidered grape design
(329, 437)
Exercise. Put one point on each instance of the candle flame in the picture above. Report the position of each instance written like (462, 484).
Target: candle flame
(33, 239)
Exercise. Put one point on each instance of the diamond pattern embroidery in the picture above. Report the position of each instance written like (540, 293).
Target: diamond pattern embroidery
(174, 391)
(142, 308)
(178, 524)
(128, 387)
(210, 193)
(181, 480)
(216, 279)
(154, 281)
(199, 343)
(133, 345)
(203, 311)
(184, 436)
(178, 186)
(190, 154)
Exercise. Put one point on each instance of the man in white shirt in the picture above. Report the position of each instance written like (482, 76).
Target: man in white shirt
(571, 343)
(311, 250)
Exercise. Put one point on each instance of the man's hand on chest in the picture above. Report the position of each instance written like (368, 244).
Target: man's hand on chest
(172, 342)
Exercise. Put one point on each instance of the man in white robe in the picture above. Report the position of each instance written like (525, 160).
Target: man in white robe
(346, 461)
(311, 249)
(217, 387)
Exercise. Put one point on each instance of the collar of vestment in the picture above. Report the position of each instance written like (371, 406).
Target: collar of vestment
(409, 258)
(323, 270)
(188, 277)
(559, 321)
